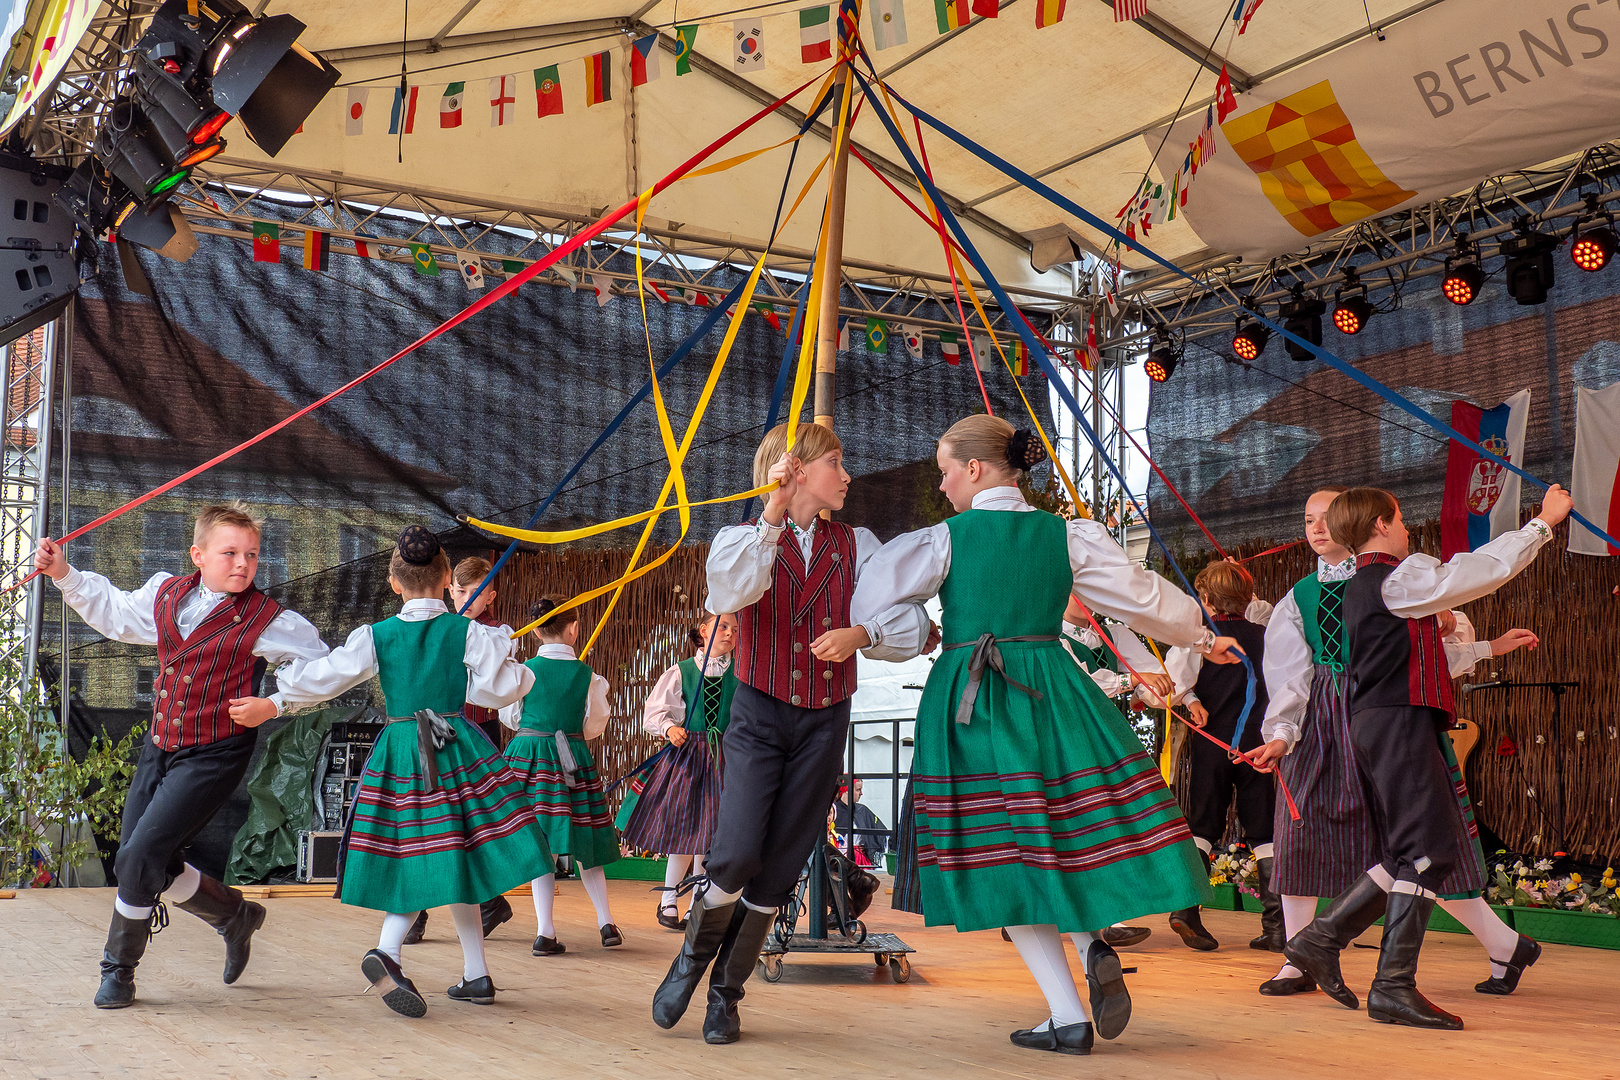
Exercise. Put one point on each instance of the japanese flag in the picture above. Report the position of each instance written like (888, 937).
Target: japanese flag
(472, 272)
(354, 121)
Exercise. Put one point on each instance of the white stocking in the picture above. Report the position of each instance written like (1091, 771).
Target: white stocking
(1041, 948)
(470, 929)
(1498, 938)
(394, 928)
(674, 874)
(184, 887)
(1298, 911)
(545, 898)
(1082, 945)
(595, 881)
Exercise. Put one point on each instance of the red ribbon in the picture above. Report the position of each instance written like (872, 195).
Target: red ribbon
(1271, 551)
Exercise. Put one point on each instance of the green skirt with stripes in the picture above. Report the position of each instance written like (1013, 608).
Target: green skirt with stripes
(575, 820)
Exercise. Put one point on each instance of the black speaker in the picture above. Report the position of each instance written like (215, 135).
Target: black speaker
(38, 276)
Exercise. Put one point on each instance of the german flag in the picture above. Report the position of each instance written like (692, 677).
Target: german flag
(598, 79)
(317, 249)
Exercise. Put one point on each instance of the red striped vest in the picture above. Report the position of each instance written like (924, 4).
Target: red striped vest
(1393, 661)
(774, 633)
(198, 675)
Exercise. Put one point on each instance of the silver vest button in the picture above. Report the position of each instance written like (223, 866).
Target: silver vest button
(160, 718)
(826, 701)
(163, 693)
(795, 699)
(236, 618)
(798, 674)
(168, 671)
(827, 674)
(798, 646)
(826, 622)
(187, 679)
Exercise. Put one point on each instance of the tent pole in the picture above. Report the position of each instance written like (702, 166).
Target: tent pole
(833, 274)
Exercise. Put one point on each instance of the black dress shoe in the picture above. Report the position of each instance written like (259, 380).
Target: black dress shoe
(548, 946)
(398, 992)
(611, 938)
(480, 991)
(413, 936)
(669, 917)
(1110, 1002)
(1122, 936)
(1303, 984)
(1068, 1039)
(1525, 953)
(1190, 926)
(494, 912)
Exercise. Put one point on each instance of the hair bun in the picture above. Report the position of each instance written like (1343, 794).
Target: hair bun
(541, 608)
(417, 545)
(1024, 451)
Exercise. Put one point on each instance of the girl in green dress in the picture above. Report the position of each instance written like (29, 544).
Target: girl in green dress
(549, 753)
(1036, 808)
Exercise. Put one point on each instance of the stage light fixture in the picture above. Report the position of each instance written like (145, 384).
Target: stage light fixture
(1464, 279)
(1594, 246)
(1529, 268)
(1162, 360)
(1250, 340)
(1301, 316)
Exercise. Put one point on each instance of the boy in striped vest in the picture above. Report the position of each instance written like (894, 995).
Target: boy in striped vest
(214, 633)
(789, 576)
(1400, 697)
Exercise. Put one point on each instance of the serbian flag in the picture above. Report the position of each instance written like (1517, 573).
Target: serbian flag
(1595, 483)
(1481, 498)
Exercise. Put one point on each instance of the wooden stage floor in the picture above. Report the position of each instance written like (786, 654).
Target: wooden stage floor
(298, 1011)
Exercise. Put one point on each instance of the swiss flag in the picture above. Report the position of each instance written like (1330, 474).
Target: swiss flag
(1225, 100)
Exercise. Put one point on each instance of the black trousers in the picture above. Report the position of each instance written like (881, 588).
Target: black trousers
(1409, 791)
(781, 772)
(1215, 782)
(173, 795)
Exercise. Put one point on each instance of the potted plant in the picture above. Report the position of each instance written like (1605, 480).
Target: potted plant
(1567, 909)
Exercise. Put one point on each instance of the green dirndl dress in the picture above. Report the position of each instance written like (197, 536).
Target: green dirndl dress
(574, 816)
(1039, 810)
(413, 844)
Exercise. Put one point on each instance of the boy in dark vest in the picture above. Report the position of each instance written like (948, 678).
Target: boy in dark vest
(214, 633)
(1400, 706)
(1214, 696)
(789, 576)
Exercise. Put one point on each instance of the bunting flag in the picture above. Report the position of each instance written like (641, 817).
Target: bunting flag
(950, 347)
(815, 34)
(981, 350)
(403, 114)
(422, 258)
(989, 9)
(547, 92)
(1225, 100)
(603, 287)
(317, 249)
(888, 24)
(266, 241)
(747, 46)
(952, 14)
(354, 121)
(694, 297)
(1019, 357)
(913, 338)
(450, 105)
(1480, 500)
(663, 297)
(1247, 15)
(598, 78)
(1048, 12)
(769, 314)
(567, 274)
(472, 271)
(512, 266)
(1129, 10)
(1206, 137)
(643, 60)
(1595, 478)
(686, 36)
(877, 335)
(1093, 357)
(843, 333)
(362, 250)
(503, 100)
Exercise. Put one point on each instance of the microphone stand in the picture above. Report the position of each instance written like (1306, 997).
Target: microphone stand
(1559, 689)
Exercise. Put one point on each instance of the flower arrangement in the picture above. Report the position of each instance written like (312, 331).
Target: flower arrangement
(1516, 883)
(1235, 866)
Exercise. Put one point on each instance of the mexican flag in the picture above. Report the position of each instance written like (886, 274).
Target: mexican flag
(450, 105)
(815, 34)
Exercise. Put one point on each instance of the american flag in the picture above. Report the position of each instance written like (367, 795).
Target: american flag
(1126, 10)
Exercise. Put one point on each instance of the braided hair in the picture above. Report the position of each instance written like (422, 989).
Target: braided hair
(419, 563)
(552, 627)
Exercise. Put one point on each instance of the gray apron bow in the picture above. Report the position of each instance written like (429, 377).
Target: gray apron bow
(432, 732)
(986, 653)
(565, 755)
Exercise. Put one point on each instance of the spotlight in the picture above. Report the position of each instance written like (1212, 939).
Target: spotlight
(1250, 340)
(1301, 316)
(1529, 268)
(1463, 278)
(1162, 361)
(1594, 247)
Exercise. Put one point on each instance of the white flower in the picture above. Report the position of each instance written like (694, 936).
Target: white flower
(1543, 864)
(1580, 736)
(1536, 839)
(1540, 739)
(1530, 791)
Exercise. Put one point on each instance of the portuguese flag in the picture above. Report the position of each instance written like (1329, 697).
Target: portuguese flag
(266, 241)
(548, 91)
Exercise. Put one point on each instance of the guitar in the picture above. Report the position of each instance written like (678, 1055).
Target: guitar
(1464, 737)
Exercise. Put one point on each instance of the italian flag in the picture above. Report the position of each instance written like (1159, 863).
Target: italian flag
(815, 34)
(450, 105)
(950, 346)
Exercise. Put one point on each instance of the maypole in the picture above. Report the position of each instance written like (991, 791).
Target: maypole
(832, 271)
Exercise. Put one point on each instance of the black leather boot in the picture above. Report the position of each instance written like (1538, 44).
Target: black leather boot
(706, 931)
(223, 908)
(1525, 953)
(126, 944)
(1187, 923)
(738, 955)
(1315, 950)
(1272, 938)
(494, 912)
(1394, 997)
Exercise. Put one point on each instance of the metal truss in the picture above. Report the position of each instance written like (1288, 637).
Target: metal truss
(1387, 253)
(63, 128)
(28, 374)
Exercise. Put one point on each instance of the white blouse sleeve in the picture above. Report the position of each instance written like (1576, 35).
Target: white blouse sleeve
(1109, 582)
(1258, 612)
(1463, 649)
(740, 564)
(895, 583)
(304, 683)
(597, 709)
(1423, 585)
(494, 677)
(665, 705)
(110, 611)
(1183, 665)
(1133, 652)
(289, 637)
(903, 628)
(1288, 670)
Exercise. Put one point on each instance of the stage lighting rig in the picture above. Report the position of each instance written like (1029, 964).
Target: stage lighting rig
(1529, 267)
(1594, 244)
(1162, 360)
(1351, 309)
(1464, 278)
(1301, 316)
(1251, 337)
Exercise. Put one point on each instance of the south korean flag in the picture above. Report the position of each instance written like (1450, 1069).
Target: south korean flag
(913, 342)
(472, 272)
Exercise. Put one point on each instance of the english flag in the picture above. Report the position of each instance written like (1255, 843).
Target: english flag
(1595, 482)
(502, 100)
(1481, 499)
